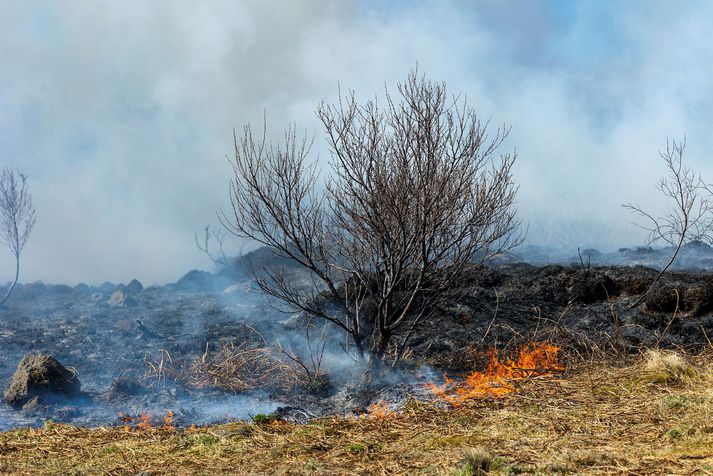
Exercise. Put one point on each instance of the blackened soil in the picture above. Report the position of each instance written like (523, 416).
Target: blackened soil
(108, 338)
(582, 309)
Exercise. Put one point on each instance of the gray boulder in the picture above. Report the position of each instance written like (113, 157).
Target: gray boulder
(40, 378)
(121, 299)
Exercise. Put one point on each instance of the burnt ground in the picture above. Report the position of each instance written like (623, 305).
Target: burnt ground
(584, 311)
(111, 338)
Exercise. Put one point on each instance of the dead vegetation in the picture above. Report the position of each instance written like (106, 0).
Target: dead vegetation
(650, 417)
(414, 194)
(236, 366)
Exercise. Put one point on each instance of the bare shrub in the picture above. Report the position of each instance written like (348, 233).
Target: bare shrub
(311, 364)
(217, 256)
(17, 217)
(689, 218)
(414, 195)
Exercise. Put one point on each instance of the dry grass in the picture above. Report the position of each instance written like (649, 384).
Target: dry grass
(665, 366)
(235, 367)
(593, 419)
(239, 367)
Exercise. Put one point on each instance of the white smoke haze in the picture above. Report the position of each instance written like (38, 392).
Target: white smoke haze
(122, 113)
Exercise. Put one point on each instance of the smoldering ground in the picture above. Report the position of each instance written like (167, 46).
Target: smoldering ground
(211, 348)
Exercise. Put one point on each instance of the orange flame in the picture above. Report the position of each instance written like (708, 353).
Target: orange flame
(535, 358)
(143, 422)
(168, 421)
(380, 409)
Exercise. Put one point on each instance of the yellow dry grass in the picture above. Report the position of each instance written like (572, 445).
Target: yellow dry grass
(651, 417)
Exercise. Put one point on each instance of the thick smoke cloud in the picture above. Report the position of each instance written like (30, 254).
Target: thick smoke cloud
(122, 113)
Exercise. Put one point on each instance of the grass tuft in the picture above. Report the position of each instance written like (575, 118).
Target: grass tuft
(667, 368)
(476, 462)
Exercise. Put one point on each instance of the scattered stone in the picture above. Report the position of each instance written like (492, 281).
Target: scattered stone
(121, 299)
(31, 404)
(43, 377)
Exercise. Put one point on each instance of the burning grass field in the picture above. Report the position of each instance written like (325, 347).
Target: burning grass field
(653, 415)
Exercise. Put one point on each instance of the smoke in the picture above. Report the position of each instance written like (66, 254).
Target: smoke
(122, 116)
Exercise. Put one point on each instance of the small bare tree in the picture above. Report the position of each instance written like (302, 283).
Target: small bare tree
(219, 257)
(689, 219)
(17, 216)
(414, 197)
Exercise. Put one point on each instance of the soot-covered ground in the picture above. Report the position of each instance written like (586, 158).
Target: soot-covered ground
(127, 343)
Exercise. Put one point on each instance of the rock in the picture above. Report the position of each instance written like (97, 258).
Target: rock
(43, 377)
(121, 299)
(31, 404)
(134, 287)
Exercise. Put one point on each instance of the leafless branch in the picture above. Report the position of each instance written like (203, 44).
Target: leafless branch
(204, 245)
(415, 195)
(690, 216)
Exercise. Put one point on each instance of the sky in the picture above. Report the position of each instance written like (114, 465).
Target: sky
(122, 113)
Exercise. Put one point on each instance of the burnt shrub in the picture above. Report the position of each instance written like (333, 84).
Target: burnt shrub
(698, 300)
(588, 287)
(664, 299)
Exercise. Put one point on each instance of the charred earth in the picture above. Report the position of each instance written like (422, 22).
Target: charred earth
(172, 348)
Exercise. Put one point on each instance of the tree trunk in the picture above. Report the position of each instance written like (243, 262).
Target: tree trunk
(14, 283)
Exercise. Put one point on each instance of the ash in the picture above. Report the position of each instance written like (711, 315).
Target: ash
(117, 336)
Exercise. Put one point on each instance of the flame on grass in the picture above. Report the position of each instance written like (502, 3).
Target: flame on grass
(380, 409)
(143, 422)
(498, 379)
